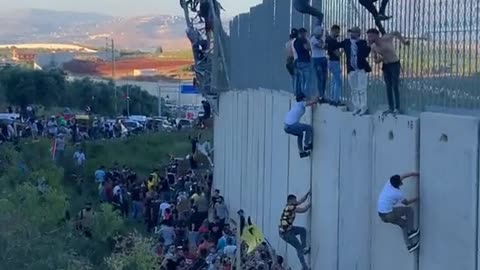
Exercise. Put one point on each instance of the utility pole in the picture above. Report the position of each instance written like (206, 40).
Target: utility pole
(159, 101)
(113, 78)
(128, 100)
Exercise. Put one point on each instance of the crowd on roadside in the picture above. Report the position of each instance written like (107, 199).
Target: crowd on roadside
(16, 124)
(190, 222)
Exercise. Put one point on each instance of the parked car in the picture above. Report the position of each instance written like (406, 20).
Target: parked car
(184, 123)
(133, 127)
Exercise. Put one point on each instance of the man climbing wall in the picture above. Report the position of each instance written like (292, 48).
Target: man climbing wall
(288, 232)
(294, 127)
(402, 216)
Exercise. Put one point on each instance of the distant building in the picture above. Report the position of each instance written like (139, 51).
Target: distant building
(53, 60)
(22, 56)
(150, 72)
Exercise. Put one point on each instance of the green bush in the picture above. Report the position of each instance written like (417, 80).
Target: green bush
(36, 235)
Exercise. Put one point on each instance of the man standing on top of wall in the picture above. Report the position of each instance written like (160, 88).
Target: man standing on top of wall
(334, 65)
(291, 57)
(384, 52)
(320, 61)
(357, 52)
(294, 127)
(303, 6)
(303, 66)
(289, 233)
(389, 212)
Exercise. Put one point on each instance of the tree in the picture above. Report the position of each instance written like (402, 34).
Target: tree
(134, 252)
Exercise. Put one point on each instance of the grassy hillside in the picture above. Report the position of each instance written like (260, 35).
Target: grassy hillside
(35, 234)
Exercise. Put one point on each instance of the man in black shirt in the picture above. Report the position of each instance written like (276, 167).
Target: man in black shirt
(137, 204)
(207, 110)
(334, 65)
(303, 67)
(195, 222)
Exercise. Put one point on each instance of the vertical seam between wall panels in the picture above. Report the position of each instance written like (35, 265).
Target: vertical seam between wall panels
(311, 191)
(417, 254)
(477, 190)
(338, 200)
(288, 171)
(370, 194)
(264, 159)
(373, 184)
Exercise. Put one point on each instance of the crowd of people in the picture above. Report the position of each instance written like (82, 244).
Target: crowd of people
(192, 224)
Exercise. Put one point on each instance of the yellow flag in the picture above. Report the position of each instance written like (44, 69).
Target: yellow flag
(252, 236)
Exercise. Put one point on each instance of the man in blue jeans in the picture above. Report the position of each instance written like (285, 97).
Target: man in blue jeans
(320, 62)
(303, 66)
(334, 65)
(294, 127)
(289, 233)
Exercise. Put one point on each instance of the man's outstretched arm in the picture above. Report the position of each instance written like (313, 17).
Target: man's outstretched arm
(303, 209)
(399, 36)
(409, 175)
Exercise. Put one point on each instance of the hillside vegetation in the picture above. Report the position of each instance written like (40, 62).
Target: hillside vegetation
(36, 195)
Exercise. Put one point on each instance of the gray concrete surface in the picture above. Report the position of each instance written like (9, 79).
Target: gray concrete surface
(395, 151)
(449, 191)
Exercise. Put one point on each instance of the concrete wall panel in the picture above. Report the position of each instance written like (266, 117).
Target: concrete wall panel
(219, 141)
(234, 70)
(281, 80)
(280, 154)
(243, 131)
(255, 41)
(355, 192)
(299, 177)
(269, 189)
(243, 52)
(448, 191)
(260, 179)
(395, 152)
(325, 175)
(230, 186)
(235, 177)
(269, 57)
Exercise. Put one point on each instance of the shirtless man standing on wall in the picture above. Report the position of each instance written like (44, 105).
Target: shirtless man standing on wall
(384, 52)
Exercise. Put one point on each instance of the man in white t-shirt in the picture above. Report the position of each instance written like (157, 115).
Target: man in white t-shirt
(320, 61)
(403, 216)
(79, 158)
(294, 127)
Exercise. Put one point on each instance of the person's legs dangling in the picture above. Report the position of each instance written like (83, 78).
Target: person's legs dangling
(304, 7)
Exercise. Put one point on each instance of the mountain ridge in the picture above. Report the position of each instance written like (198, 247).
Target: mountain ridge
(146, 32)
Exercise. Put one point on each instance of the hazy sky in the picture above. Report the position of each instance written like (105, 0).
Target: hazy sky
(123, 7)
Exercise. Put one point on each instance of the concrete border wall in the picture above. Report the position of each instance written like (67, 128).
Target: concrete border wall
(449, 191)
(257, 166)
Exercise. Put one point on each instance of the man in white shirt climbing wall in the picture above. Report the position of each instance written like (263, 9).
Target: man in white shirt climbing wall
(390, 212)
(294, 127)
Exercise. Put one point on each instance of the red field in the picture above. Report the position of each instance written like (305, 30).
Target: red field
(125, 67)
